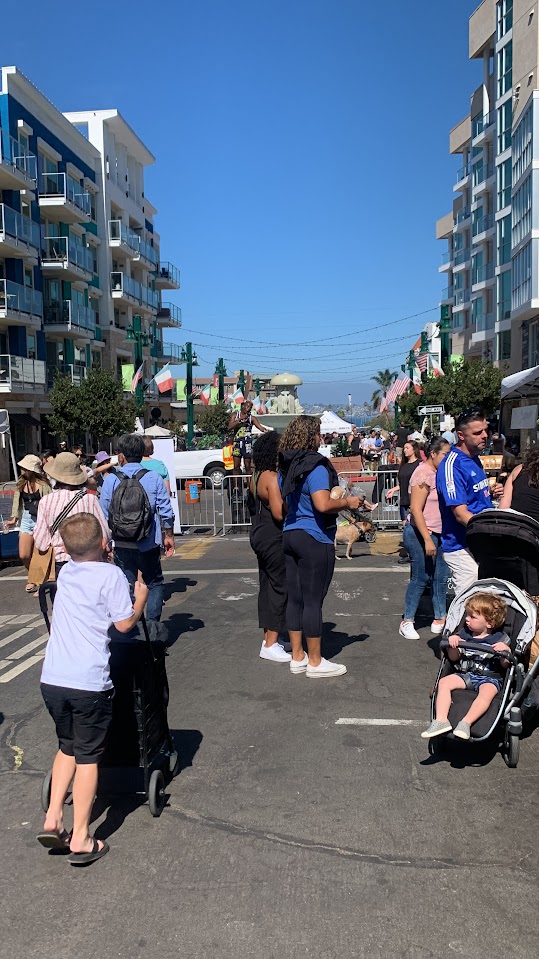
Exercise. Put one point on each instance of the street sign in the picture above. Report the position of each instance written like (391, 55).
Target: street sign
(430, 410)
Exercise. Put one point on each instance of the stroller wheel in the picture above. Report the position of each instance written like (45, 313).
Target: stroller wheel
(156, 793)
(173, 764)
(370, 536)
(46, 791)
(512, 751)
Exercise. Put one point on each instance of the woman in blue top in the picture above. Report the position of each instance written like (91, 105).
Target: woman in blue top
(305, 479)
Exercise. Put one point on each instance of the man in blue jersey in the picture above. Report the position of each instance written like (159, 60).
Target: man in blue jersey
(463, 490)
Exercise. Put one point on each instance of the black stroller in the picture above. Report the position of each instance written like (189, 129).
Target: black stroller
(140, 750)
(505, 544)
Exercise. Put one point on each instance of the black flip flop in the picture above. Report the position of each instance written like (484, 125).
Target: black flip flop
(52, 839)
(85, 858)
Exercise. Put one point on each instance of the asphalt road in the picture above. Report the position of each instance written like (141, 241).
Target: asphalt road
(287, 833)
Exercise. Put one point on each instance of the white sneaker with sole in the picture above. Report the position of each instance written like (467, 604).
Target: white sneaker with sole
(299, 667)
(408, 630)
(274, 653)
(437, 628)
(325, 670)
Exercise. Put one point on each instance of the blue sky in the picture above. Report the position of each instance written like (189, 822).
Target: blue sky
(302, 159)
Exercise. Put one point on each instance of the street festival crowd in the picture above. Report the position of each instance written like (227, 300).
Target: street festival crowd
(100, 531)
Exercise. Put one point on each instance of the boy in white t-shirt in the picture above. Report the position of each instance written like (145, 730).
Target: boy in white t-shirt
(75, 681)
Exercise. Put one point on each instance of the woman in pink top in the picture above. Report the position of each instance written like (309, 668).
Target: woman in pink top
(422, 540)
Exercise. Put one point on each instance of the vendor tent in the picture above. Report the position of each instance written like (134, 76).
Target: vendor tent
(518, 385)
(157, 431)
(331, 423)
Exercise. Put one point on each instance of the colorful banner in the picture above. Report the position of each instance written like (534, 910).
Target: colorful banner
(128, 372)
(180, 390)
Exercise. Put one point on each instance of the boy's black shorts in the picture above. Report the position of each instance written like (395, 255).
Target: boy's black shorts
(82, 719)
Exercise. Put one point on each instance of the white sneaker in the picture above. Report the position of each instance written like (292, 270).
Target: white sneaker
(408, 630)
(274, 653)
(437, 628)
(299, 667)
(326, 670)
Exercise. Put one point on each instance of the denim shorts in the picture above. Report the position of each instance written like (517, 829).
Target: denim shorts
(475, 680)
(28, 523)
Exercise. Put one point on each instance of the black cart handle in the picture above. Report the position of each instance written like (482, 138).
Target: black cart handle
(480, 648)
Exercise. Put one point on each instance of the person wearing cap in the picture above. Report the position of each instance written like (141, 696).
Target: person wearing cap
(70, 492)
(29, 489)
(103, 467)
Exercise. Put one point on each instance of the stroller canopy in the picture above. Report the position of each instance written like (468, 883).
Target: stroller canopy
(515, 598)
(505, 544)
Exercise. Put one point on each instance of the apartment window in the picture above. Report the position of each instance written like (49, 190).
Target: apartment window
(477, 268)
(457, 320)
(533, 356)
(504, 240)
(505, 69)
(522, 212)
(31, 346)
(504, 295)
(504, 345)
(504, 17)
(505, 117)
(522, 145)
(521, 271)
(477, 310)
(29, 278)
(504, 184)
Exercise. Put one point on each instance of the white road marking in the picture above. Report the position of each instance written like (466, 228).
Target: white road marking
(29, 647)
(170, 574)
(26, 618)
(380, 722)
(20, 632)
(17, 670)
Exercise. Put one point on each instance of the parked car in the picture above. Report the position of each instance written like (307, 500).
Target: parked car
(192, 463)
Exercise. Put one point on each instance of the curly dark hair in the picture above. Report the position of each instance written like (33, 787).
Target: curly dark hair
(265, 452)
(531, 466)
(303, 433)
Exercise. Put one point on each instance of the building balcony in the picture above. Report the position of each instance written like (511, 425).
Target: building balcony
(18, 167)
(74, 371)
(20, 305)
(483, 276)
(446, 261)
(122, 237)
(19, 375)
(484, 328)
(461, 299)
(462, 217)
(19, 235)
(462, 178)
(62, 198)
(483, 226)
(148, 253)
(167, 277)
(167, 352)
(133, 293)
(62, 253)
(447, 294)
(461, 258)
(70, 318)
(483, 127)
(483, 178)
(169, 315)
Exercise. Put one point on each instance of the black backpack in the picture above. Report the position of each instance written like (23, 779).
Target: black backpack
(130, 513)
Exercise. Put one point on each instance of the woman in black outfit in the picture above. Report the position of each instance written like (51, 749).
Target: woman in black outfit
(267, 541)
(411, 458)
(521, 490)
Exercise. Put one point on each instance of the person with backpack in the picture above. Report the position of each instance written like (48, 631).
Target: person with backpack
(136, 505)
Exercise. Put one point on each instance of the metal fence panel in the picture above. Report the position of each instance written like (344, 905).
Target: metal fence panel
(375, 486)
(231, 504)
(200, 514)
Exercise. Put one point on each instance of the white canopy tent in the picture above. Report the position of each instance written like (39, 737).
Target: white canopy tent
(331, 423)
(518, 385)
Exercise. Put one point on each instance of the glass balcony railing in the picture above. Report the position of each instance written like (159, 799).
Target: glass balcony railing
(446, 257)
(19, 158)
(166, 351)
(170, 314)
(69, 314)
(462, 215)
(124, 285)
(481, 122)
(147, 251)
(122, 234)
(18, 228)
(463, 173)
(447, 293)
(169, 273)
(484, 323)
(64, 187)
(461, 296)
(483, 273)
(76, 372)
(481, 172)
(15, 298)
(17, 373)
(64, 249)
(461, 256)
(482, 224)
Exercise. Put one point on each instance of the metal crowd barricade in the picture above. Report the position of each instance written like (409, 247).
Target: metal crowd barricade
(6, 501)
(375, 486)
(200, 514)
(232, 514)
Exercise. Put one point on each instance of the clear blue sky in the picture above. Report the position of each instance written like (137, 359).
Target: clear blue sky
(302, 159)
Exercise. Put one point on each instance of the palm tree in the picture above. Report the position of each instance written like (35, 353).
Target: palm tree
(384, 379)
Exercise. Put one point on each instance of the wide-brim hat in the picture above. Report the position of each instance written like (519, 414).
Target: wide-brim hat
(65, 468)
(31, 462)
(102, 457)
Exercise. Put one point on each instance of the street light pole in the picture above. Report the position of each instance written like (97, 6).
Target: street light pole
(190, 359)
(220, 369)
(241, 381)
(136, 334)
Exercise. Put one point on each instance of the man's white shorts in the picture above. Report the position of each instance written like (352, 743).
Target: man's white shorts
(464, 569)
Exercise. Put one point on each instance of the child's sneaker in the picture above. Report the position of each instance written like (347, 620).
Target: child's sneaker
(462, 730)
(437, 728)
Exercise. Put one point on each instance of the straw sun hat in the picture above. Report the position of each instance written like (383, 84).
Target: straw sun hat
(65, 468)
(31, 463)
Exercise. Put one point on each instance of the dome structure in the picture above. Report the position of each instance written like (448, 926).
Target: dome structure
(286, 379)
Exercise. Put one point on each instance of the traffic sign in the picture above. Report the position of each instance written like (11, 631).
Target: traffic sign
(430, 410)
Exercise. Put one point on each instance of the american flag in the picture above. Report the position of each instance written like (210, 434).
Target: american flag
(137, 378)
(395, 390)
(422, 361)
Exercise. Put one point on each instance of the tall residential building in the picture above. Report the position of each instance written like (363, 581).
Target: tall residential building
(81, 277)
(491, 300)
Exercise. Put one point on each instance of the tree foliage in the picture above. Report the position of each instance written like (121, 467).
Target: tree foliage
(465, 384)
(214, 419)
(96, 407)
(341, 447)
(384, 379)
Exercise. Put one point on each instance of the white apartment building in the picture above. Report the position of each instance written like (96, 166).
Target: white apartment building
(491, 263)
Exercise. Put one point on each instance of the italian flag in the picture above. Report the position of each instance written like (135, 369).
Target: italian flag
(205, 394)
(236, 397)
(164, 380)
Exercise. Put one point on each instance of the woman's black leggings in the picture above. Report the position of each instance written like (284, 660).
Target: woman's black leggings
(309, 568)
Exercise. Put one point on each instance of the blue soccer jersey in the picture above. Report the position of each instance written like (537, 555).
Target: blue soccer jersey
(460, 481)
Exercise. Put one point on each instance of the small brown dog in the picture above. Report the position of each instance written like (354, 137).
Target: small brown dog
(353, 531)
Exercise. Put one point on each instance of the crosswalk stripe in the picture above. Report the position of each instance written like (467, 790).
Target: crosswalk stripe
(17, 670)
(19, 653)
(26, 618)
(17, 635)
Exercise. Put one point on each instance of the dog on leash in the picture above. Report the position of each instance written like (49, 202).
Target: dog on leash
(354, 529)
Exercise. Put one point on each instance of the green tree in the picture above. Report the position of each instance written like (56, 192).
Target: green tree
(465, 384)
(384, 379)
(214, 419)
(96, 407)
